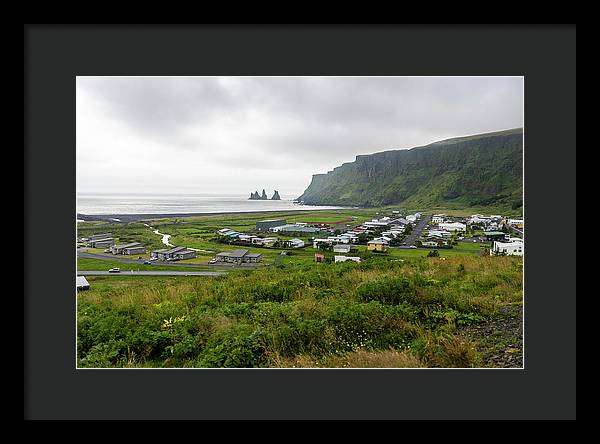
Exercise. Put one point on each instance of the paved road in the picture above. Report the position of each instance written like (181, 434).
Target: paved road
(416, 232)
(117, 258)
(152, 273)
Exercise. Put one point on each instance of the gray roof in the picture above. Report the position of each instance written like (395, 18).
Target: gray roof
(253, 255)
(164, 250)
(100, 236)
(175, 250)
(238, 253)
(105, 239)
(132, 244)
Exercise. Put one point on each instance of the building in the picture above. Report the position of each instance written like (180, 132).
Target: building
(101, 243)
(495, 235)
(82, 283)
(265, 241)
(507, 248)
(376, 224)
(438, 218)
(377, 245)
(238, 257)
(342, 248)
(452, 226)
(319, 257)
(294, 243)
(131, 248)
(265, 225)
(346, 258)
(440, 233)
(184, 254)
(294, 228)
(175, 253)
(517, 223)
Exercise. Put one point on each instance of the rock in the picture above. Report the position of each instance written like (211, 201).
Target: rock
(276, 196)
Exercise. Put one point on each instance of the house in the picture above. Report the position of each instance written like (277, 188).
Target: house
(377, 245)
(184, 254)
(265, 241)
(294, 243)
(342, 248)
(238, 257)
(82, 283)
(440, 233)
(452, 226)
(246, 237)
(264, 225)
(130, 248)
(517, 223)
(438, 218)
(376, 224)
(495, 235)
(176, 253)
(319, 257)
(346, 258)
(101, 243)
(507, 248)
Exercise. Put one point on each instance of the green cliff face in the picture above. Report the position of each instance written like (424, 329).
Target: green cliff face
(481, 170)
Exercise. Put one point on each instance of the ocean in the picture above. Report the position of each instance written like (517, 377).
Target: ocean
(94, 204)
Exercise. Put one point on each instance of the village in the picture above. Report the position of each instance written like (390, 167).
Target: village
(342, 242)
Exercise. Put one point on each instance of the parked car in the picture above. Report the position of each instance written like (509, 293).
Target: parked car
(413, 246)
(114, 270)
(147, 263)
(212, 261)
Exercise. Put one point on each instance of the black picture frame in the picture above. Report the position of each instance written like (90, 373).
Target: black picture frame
(55, 54)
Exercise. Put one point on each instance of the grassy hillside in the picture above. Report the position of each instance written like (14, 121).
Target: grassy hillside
(419, 312)
(476, 171)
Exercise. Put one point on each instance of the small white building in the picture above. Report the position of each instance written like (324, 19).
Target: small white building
(341, 248)
(295, 243)
(440, 233)
(411, 218)
(82, 283)
(346, 258)
(438, 218)
(507, 248)
(453, 226)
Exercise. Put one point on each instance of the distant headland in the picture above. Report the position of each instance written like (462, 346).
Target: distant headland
(256, 196)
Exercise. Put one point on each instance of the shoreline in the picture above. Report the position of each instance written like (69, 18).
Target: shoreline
(134, 217)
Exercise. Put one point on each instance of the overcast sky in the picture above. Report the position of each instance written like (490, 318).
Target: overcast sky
(234, 135)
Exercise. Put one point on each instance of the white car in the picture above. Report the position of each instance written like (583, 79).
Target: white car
(114, 270)
(413, 246)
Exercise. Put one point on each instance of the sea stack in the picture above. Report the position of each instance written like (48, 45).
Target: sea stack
(276, 196)
(254, 196)
(264, 195)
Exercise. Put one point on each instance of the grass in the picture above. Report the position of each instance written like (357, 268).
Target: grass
(85, 264)
(309, 315)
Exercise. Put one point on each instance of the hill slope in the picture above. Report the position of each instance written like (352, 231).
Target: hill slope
(473, 171)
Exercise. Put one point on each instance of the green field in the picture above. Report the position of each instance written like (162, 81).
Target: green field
(394, 309)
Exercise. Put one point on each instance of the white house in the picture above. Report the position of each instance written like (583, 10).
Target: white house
(411, 218)
(453, 226)
(515, 221)
(316, 242)
(440, 233)
(346, 258)
(508, 248)
(295, 243)
(437, 218)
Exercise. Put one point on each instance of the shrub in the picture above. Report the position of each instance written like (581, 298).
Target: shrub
(386, 290)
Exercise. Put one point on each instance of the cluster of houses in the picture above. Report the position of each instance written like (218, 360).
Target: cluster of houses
(281, 226)
(260, 241)
(107, 241)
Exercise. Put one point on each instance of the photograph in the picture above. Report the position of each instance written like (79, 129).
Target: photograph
(299, 222)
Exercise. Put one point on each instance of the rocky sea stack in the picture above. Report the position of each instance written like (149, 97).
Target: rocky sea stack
(276, 196)
(256, 196)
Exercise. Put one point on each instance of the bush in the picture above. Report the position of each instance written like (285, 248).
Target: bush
(386, 290)
(238, 348)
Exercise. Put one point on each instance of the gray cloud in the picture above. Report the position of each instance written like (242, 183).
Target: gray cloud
(209, 127)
